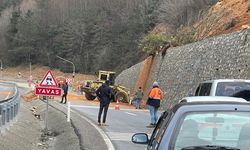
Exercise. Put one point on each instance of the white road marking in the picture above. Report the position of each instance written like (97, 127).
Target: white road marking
(83, 106)
(8, 95)
(131, 113)
(103, 134)
(97, 107)
(119, 136)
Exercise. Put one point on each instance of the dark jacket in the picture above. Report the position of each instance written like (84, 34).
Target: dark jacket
(65, 89)
(154, 102)
(104, 92)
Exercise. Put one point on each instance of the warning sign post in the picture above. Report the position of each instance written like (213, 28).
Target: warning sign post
(48, 87)
(48, 80)
(48, 91)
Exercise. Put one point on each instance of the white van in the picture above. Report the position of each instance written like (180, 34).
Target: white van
(224, 87)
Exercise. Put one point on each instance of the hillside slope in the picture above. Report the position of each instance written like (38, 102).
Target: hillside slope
(225, 17)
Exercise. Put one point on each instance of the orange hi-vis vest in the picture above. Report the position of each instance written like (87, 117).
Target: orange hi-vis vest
(156, 93)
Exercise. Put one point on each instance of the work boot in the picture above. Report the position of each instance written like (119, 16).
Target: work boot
(99, 123)
(104, 124)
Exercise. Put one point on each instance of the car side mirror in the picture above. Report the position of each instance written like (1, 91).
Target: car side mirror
(140, 138)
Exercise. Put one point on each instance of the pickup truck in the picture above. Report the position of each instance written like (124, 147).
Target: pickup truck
(224, 87)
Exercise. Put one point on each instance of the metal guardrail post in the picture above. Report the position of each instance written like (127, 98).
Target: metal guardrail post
(3, 118)
(9, 109)
(4, 115)
(11, 112)
(0, 116)
(15, 110)
(8, 115)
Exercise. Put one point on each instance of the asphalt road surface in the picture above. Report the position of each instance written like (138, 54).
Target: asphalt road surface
(6, 91)
(122, 124)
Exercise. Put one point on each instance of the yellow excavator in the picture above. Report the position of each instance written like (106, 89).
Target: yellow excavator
(121, 93)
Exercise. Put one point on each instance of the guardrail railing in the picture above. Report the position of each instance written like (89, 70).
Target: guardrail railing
(9, 107)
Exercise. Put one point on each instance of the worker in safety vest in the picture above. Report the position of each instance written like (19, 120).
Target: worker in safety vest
(154, 101)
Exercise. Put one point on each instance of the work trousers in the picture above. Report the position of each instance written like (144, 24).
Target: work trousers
(138, 103)
(64, 96)
(105, 107)
(153, 114)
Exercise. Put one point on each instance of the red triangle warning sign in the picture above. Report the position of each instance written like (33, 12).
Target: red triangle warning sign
(48, 80)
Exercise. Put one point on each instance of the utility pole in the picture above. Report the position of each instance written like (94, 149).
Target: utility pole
(30, 75)
(1, 66)
(69, 62)
(30, 64)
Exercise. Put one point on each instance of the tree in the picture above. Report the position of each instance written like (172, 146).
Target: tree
(94, 34)
(153, 42)
(183, 12)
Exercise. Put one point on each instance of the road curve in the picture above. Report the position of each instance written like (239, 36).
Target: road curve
(6, 91)
(122, 125)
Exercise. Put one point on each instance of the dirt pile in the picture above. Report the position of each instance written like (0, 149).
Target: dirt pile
(29, 96)
(225, 17)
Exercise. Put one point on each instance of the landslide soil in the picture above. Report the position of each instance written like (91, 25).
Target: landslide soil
(225, 17)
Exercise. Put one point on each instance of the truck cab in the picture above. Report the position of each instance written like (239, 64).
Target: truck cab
(224, 87)
(106, 75)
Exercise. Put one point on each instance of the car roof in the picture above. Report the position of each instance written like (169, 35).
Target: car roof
(226, 80)
(209, 103)
(211, 99)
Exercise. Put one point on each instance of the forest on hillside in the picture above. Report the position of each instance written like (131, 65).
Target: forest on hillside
(93, 34)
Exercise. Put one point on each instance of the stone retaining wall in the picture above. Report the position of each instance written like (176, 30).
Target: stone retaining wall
(182, 68)
(129, 77)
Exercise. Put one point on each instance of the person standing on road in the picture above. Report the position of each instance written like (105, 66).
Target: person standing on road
(104, 92)
(65, 93)
(154, 102)
(138, 98)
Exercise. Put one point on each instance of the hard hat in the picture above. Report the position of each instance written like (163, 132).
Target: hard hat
(155, 84)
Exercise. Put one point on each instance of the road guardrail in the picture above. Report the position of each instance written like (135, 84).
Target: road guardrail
(9, 108)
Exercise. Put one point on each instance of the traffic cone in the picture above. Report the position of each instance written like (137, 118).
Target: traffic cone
(117, 107)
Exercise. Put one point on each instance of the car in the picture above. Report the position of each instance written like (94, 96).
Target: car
(211, 98)
(224, 87)
(201, 125)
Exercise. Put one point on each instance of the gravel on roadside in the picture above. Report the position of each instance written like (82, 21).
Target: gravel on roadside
(27, 132)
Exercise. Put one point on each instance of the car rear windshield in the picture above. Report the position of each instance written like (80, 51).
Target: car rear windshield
(230, 129)
(203, 89)
(235, 89)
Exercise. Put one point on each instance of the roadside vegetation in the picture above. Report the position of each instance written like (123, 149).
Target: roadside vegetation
(154, 42)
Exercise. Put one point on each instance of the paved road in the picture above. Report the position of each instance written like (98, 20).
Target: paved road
(122, 124)
(6, 91)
